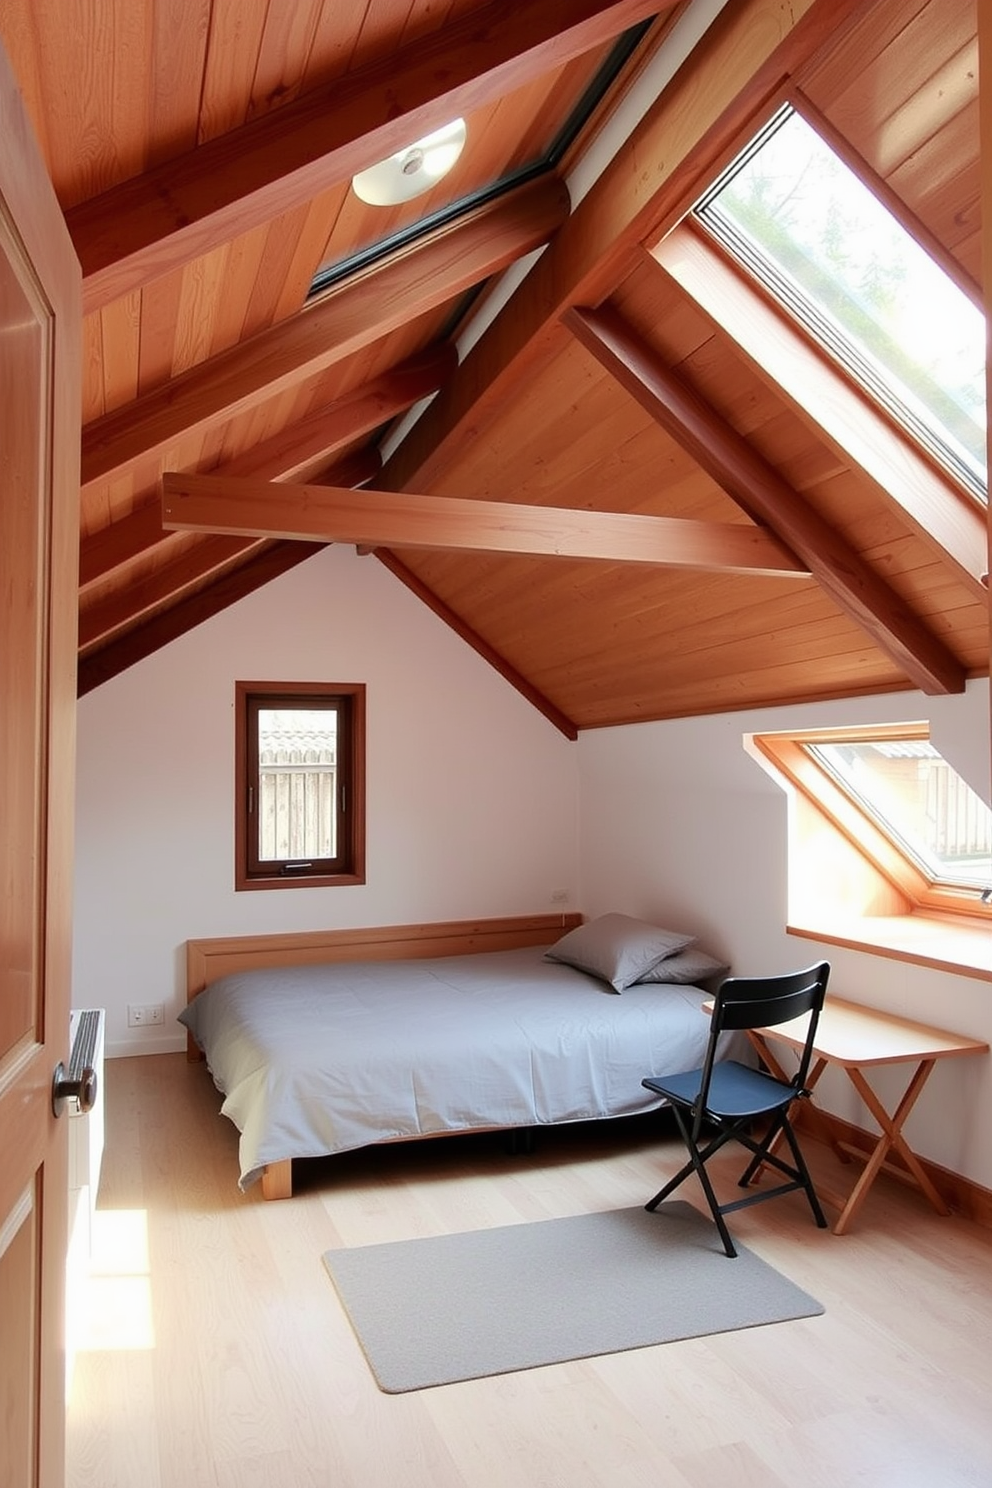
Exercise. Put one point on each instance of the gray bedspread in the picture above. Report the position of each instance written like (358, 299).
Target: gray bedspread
(314, 1060)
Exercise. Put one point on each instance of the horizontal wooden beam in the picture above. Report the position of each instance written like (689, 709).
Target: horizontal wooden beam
(183, 208)
(131, 536)
(767, 497)
(250, 508)
(297, 448)
(357, 313)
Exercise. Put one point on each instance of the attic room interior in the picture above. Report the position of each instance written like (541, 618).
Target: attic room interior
(549, 440)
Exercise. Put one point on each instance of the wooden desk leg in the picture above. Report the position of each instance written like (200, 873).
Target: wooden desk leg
(812, 1114)
(891, 1139)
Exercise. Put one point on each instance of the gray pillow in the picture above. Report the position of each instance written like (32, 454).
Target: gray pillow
(617, 948)
(686, 966)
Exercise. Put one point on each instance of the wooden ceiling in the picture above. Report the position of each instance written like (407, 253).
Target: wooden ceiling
(634, 489)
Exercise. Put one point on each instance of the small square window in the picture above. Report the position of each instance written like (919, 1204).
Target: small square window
(299, 784)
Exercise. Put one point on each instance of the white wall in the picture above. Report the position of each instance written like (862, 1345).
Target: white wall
(476, 806)
(680, 826)
(472, 795)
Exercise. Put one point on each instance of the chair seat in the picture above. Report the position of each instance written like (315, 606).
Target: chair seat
(735, 1090)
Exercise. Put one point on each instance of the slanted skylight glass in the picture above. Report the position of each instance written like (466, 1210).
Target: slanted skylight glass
(920, 801)
(804, 223)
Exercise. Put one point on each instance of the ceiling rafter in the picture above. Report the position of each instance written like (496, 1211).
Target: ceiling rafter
(177, 584)
(652, 181)
(271, 561)
(183, 208)
(99, 622)
(354, 315)
(323, 432)
(128, 538)
(780, 353)
(767, 497)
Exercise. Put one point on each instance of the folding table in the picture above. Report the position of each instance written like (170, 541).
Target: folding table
(857, 1038)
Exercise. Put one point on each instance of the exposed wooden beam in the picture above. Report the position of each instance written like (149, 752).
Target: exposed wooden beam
(781, 354)
(156, 222)
(767, 497)
(472, 638)
(251, 508)
(125, 540)
(321, 434)
(101, 620)
(658, 173)
(301, 446)
(119, 543)
(354, 315)
(109, 660)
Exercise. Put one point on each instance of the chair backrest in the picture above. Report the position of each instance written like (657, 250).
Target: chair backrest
(764, 1002)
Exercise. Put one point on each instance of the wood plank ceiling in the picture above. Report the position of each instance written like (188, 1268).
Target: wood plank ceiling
(202, 151)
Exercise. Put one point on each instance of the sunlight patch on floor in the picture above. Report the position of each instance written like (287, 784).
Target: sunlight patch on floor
(109, 1300)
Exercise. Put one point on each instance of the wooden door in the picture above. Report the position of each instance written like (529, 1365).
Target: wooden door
(39, 534)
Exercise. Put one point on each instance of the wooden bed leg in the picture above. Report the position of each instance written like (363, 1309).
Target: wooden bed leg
(277, 1180)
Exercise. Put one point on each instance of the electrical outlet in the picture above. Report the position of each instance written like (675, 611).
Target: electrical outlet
(138, 1015)
(559, 896)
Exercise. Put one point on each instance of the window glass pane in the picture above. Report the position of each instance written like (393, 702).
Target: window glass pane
(914, 794)
(813, 232)
(297, 769)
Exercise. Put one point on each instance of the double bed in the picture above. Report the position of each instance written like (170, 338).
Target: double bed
(322, 1043)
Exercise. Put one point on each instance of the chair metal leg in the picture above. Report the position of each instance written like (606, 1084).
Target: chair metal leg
(697, 1165)
(804, 1173)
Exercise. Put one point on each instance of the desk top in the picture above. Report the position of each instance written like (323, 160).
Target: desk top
(850, 1034)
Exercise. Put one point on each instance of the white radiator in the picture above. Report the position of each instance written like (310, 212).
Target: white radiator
(86, 1045)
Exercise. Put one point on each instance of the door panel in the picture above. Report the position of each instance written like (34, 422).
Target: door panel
(39, 493)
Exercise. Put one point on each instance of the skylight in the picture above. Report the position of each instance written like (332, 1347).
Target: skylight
(798, 218)
(920, 800)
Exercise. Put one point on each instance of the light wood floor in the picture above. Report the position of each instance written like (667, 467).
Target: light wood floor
(213, 1353)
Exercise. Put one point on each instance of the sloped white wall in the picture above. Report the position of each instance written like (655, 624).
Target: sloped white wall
(472, 795)
(680, 826)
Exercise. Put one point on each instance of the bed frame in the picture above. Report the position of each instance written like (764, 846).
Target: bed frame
(209, 960)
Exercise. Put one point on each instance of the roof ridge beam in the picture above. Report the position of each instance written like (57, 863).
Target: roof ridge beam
(655, 177)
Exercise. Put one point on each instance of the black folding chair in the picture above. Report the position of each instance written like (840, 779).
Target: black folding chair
(731, 1097)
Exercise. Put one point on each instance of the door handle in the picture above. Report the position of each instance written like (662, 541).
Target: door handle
(81, 1088)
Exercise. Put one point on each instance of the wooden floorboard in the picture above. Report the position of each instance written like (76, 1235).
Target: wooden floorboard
(211, 1351)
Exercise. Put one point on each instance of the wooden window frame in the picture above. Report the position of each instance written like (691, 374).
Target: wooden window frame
(249, 872)
(849, 882)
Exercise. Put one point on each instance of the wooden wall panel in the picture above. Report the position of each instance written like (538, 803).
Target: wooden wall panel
(902, 91)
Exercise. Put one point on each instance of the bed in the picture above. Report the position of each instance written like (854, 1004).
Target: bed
(322, 1043)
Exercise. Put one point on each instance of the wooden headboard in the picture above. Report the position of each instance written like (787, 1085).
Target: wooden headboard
(208, 960)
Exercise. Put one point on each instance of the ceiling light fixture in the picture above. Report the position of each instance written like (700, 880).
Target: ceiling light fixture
(412, 170)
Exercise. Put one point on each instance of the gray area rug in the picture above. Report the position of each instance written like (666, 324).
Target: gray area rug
(458, 1307)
